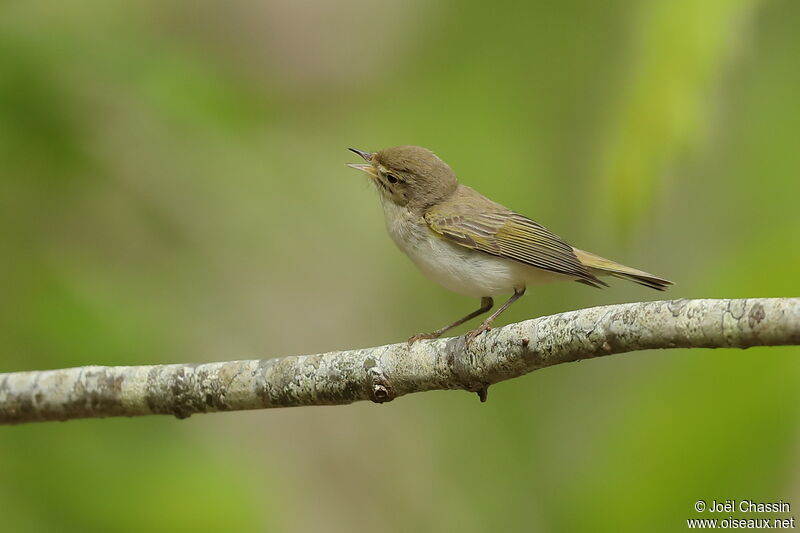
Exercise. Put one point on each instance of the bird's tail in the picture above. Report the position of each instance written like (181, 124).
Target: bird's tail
(601, 266)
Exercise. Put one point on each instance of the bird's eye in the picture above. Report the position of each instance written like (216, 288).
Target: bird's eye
(392, 178)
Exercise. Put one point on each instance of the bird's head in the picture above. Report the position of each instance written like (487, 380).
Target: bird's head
(408, 176)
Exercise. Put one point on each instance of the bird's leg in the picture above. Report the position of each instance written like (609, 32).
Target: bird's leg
(486, 305)
(486, 325)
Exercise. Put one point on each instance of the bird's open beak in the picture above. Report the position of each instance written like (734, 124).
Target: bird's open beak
(366, 155)
(368, 168)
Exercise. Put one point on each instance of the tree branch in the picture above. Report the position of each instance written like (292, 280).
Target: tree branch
(383, 373)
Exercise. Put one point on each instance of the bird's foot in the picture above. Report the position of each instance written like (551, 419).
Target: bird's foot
(472, 335)
(422, 336)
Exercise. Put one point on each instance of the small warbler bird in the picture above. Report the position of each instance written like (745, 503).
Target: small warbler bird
(470, 244)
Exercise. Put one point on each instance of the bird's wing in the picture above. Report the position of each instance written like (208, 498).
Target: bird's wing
(507, 234)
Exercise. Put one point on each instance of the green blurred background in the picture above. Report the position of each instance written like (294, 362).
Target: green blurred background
(173, 189)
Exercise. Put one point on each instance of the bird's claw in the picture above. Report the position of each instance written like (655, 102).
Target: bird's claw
(472, 335)
(422, 336)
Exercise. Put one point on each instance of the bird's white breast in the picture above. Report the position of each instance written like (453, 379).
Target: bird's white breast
(459, 269)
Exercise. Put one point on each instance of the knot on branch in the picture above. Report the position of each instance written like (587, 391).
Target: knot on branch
(465, 366)
(381, 390)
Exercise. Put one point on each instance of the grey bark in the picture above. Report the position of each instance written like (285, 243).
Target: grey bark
(383, 373)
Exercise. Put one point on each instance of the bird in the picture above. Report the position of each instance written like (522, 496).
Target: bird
(470, 244)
